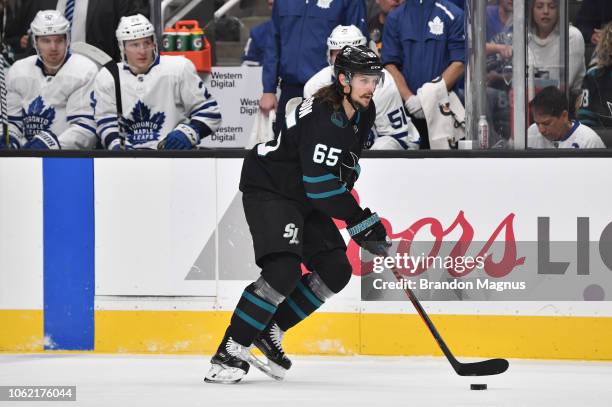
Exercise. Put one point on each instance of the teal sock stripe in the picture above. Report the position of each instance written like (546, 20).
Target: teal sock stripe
(296, 308)
(309, 294)
(255, 324)
(259, 302)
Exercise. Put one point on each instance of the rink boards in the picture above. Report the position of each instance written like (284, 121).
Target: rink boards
(151, 254)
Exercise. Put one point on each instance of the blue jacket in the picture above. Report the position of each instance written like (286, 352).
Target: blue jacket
(297, 48)
(254, 50)
(422, 37)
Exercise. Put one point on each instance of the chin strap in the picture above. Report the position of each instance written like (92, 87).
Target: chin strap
(357, 107)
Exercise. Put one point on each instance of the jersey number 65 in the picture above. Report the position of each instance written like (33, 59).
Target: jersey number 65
(327, 155)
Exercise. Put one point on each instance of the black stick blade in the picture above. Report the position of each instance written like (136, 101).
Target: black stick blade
(485, 368)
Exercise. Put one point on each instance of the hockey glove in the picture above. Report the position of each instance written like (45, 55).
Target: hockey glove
(369, 233)
(349, 175)
(13, 143)
(45, 140)
(413, 104)
(183, 137)
(117, 145)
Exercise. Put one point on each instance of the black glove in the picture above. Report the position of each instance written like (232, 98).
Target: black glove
(369, 233)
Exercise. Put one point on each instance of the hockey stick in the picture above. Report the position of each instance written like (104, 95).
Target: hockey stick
(483, 368)
(105, 61)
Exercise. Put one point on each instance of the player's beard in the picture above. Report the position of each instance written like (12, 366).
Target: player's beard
(358, 105)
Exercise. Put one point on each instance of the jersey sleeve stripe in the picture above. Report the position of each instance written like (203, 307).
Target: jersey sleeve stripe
(106, 120)
(328, 194)
(208, 115)
(79, 116)
(206, 105)
(322, 178)
(86, 127)
(112, 127)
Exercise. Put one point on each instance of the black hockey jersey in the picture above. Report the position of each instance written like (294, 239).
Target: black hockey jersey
(313, 159)
(596, 107)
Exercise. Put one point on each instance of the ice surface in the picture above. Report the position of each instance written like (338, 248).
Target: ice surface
(160, 380)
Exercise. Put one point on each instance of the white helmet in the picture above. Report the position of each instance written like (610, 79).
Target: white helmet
(49, 22)
(133, 28)
(344, 35)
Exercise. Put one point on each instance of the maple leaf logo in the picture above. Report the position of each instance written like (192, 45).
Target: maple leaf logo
(37, 118)
(142, 125)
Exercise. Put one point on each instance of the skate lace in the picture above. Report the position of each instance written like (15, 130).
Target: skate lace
(276, 335)
(233, 348)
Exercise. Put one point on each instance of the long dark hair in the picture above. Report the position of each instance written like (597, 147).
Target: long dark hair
(330, 94)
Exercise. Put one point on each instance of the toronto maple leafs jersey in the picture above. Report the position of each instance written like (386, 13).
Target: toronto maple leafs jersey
(312, 160)
(391, 116)
(579, 136)
(155, 102)
(60, 103)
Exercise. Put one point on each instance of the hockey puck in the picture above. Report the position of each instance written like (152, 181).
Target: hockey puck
(478, 386)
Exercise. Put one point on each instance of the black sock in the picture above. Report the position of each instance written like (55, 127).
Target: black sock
(297, 306)
(250, 317)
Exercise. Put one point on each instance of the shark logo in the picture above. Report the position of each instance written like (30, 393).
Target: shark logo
(37, 118)
(144, 126)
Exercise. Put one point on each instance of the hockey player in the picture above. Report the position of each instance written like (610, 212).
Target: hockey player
(49, 95)
(165, 103)
(393, 128)
(292, 188)
(553, 128)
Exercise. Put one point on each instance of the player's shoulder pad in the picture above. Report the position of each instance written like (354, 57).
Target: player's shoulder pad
(24, 67)
(175, 62)
(290, 108)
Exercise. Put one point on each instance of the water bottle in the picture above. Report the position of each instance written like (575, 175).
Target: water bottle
(483, 132)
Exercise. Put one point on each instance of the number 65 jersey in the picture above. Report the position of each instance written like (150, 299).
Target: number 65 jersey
(314, 160)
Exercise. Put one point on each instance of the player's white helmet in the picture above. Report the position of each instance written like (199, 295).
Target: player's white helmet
(49, 22)
(344, 35)
(133, 28)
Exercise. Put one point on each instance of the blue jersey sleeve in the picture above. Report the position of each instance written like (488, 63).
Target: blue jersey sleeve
(456, 39)
(392, 45)
(271, 55)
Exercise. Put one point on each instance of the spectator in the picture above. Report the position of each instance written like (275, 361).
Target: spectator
(95, 21)
(593, 15)
(553, 127)
(256, 44)
(296, 50)
(499, 20)
(49, 95)
(392, 127)
(377, 22)
(544, 53)
(423, 39)
(596, 105)
(164, 100)
(18, 24)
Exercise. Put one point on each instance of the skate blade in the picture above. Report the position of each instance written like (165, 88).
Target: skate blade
(224, 374)
(268, 367)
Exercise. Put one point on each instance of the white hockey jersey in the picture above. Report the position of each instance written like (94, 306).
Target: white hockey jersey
(154, 103)
(580, 136)
(62, 104)
(391, 116)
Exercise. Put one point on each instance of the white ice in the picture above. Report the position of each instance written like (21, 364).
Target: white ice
(143, 380)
